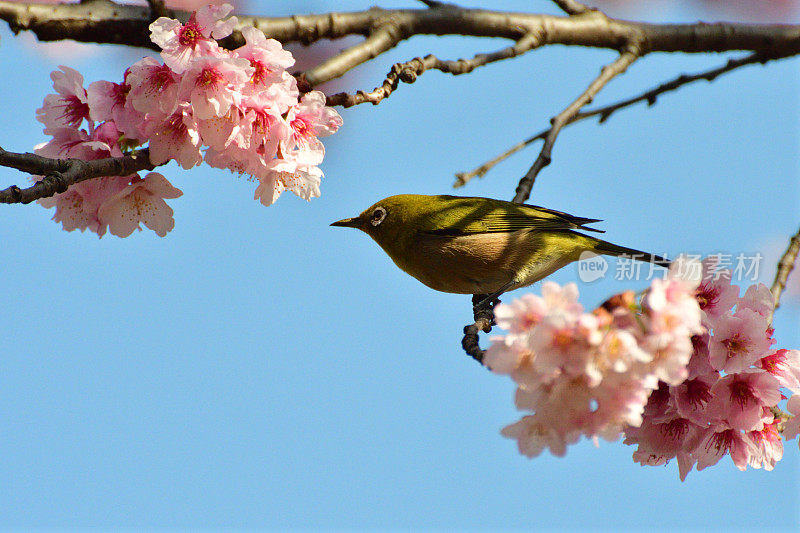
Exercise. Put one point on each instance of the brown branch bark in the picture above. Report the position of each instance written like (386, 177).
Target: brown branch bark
(785, 267)
(61, 173)
(650, 96)
(103, 21)
(383, 39)
(484, 320)
(571, 7)
(409, 71)
(92, 21)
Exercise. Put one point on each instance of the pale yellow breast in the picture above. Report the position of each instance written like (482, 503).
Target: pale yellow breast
(485, 262)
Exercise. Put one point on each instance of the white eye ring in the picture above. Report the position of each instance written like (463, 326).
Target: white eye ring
(377, 216)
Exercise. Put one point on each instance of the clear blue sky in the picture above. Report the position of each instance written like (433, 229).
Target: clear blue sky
(259, 368)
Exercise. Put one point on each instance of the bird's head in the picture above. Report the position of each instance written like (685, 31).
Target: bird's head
(390, 221)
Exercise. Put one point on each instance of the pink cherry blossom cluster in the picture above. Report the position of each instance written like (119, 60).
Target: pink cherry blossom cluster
(590, 374)
(117, 203)
(682, 373)
(725, 405)
(238, 109)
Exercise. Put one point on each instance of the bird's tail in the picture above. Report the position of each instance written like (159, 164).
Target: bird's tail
(604, 247)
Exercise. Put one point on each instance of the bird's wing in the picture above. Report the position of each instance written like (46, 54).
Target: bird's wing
(468, 216)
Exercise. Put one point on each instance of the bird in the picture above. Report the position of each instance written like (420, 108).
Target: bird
(481, 246)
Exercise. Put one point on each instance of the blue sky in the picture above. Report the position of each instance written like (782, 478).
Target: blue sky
(258, 368)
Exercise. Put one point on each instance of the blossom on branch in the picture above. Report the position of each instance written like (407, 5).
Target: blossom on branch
(591, 374)
(238, 109)
(685, 374)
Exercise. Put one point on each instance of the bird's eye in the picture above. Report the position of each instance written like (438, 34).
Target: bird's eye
(377, 216)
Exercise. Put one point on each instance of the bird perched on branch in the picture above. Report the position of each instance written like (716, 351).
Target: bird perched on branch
(471, 245)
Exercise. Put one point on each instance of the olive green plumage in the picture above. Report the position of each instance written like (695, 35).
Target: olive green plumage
(472, 245)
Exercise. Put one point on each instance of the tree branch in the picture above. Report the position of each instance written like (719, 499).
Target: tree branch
(571, 7)
(620, 65)
(93, 21)
(409, 71)
(484, 320)
(650, 96)
(785, 266)
(61, 173)
(103, 21)
(383, 39)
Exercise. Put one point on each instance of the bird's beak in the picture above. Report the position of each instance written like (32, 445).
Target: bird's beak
(348, 223)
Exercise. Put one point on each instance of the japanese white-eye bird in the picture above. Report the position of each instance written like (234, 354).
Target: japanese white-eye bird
(471, 245)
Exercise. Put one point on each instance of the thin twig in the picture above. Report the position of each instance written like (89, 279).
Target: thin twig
(785, 266)
(631, 53)
(650, 96)
(409, 71)
(462, 178)
(571, 7)
(59, 174)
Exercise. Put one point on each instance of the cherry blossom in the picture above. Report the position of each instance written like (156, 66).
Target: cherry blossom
(715, 294)
(713, 443)
(69, 107)
(658, 442)
(308, 120)
(181, 43)
(739, 340)
(740, 399)
(267, 125)
(79, 206)
(177, 138)
(699, 364)
(692, 396)
(141, 201)
(211, 84)
(768, 445)
(240, 110)
(153, 87)
(785, 366)
(757, 298)
(269, 61)
(219, 133)
(582, 374)
(650, 371)
(671, 306)
(533, 437)
(286, 175)
(109, 102)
